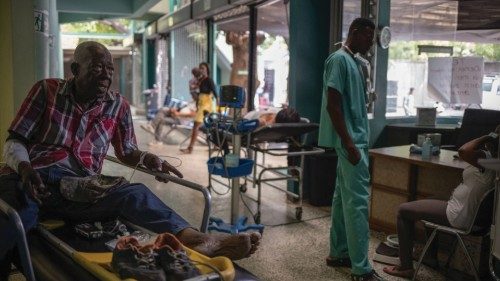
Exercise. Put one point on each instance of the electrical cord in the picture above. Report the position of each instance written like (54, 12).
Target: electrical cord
(247, 206)
(219, 153)
(143, 155)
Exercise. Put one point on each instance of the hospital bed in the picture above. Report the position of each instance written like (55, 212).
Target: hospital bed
(53, 251)
(279, 139)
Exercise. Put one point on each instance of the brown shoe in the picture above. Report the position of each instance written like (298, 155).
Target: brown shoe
(187, 150)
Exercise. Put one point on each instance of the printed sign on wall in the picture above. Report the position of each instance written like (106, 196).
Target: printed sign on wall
(41, 21)
(456, 80)
(467, 80)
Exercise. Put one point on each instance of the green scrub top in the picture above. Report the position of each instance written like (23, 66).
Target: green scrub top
(343, 73)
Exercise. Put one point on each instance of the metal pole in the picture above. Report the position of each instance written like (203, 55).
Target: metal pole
(235, 182)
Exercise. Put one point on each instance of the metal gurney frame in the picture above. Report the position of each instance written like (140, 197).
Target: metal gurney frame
(259, 142)
(64, 263)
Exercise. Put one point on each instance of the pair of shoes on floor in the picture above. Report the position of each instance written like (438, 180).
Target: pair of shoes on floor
(372, 276)
(187, 150)
(338, 262)
(163, 260)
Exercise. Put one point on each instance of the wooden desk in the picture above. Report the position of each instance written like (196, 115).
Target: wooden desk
(404, 133)
(398, 176)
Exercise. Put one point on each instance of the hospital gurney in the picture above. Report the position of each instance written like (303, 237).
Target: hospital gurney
(274, 140)
(53, 255)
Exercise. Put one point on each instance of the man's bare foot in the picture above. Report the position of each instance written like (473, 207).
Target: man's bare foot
(235, 247)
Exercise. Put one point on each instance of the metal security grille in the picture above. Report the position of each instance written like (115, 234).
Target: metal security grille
(188, 50)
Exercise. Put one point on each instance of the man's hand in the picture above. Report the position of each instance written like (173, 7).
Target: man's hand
(32, 183)
(155, 164)
(353, 154)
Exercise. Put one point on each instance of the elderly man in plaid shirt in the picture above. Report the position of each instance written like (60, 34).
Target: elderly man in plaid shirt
(64, 128)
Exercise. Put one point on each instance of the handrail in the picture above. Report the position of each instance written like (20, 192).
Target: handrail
(206, 195)
(22, 244)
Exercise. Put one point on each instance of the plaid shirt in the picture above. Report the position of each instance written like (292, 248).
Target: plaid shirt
(56, 127)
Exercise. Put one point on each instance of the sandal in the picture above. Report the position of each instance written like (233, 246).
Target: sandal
(338, 262)
(187, 150)
(397, 271)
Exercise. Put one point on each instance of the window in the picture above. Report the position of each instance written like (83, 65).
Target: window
(188, 50)
(231, 47)
(351, 11)
(424, 30)
(272, 55)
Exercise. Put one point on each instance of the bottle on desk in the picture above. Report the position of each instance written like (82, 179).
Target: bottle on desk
(427, 149)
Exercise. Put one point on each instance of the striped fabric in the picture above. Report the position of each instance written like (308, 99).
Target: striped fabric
(57, 127)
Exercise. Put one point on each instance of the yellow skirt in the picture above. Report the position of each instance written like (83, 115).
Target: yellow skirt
(205, 105)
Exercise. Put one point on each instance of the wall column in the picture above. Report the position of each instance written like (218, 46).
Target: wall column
(41, 35)
(55, 51)
(309, 47)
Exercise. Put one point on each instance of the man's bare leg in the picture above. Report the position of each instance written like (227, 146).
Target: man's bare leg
(235, 247)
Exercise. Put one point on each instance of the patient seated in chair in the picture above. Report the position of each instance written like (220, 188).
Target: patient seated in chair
(459, 211)
(63, 130)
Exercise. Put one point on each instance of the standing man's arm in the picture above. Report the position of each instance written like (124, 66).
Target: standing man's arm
(334, 108)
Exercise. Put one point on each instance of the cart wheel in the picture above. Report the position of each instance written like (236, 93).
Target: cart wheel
(243, 188)
(256, 218)
(298, 213)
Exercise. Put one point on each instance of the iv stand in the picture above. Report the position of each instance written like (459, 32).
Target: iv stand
(235, 182)
(238, 224)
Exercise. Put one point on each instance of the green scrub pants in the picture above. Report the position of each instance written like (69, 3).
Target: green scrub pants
(349, 233)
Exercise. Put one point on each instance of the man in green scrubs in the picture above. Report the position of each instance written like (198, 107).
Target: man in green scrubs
(344, 126)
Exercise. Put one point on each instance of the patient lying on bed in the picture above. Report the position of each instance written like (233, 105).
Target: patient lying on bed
(273, 115)
(266, 117)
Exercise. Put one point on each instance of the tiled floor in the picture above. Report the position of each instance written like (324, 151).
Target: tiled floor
(290, 249)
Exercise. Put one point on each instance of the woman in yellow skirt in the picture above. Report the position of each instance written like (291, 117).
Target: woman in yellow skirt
(205, 103)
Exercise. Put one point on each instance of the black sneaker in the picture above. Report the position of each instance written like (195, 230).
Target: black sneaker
(173, 259)
(338, 262)
(176, 264)
(372, 276)
(133, 261)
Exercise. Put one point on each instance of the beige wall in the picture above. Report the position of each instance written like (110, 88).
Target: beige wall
(17, 56)
(23, 47)
(6, 76)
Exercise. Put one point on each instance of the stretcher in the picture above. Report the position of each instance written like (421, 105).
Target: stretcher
(282, 140)
(53, 251)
